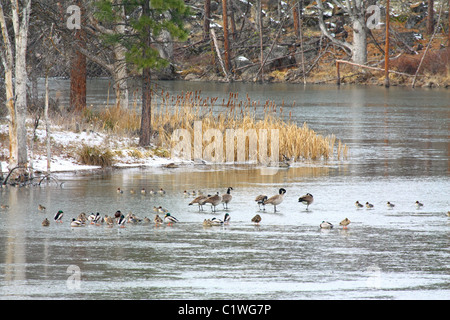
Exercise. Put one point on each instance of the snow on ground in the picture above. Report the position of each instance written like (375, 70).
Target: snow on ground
(64, 145)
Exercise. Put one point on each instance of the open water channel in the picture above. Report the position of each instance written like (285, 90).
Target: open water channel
(399, 150)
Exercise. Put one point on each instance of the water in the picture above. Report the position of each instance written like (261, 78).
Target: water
(399, 152)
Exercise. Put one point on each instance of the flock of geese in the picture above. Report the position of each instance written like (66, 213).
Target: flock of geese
(214, 200)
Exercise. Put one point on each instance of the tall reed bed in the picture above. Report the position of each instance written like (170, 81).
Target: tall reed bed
(181, 111)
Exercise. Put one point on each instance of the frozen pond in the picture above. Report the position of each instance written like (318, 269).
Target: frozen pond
(399, 152)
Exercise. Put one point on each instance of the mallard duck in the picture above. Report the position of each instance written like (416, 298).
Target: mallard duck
(98, 219)
(226, 218)
(276, 199)
(260, 201)
(390, 205)
(448, 213)
(345, 223)
(358, 205)
(121, 222)
(117, 214)
(170, 219)
(146, 220)
(216, 221)
(46, 222)
(91, 218)
(226, 198)
(369, 205)
(4, 206)
(326, 225)
(82, 217)
(76, 223)
(58, 216)
(41, 207)
(307, 199)
(207, 223)
(418, 204)
(200, 200)
(256, 219)
(214, 201)
(158, 219)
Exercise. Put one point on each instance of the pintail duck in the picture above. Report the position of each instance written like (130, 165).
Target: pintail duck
(276, 199)
(58, 216)
(369, 205)
(226, 198)
(161, 191)
(326, 225)
(390, 205)
(260, 201)
(418, 204)
(76, 223)
(358, 205)
(307, 199)
(345, 223)
(119, 190)
(256, 219)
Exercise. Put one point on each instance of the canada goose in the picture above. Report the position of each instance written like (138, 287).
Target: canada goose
(307, 199)
(369, 205)
(276, 199)
(200, 200)
(418, 205)
(260, 201)
(256, 219)
(345, 223)
(76, 223)
(358, 205)
(58, 216)
(170, 219)
(214, 201)
(41, 207)
(45, 223)
(390, 205)
(226, 198)
(326, 225)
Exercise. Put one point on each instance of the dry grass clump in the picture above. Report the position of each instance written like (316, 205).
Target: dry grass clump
(95, 156)
(172, 112)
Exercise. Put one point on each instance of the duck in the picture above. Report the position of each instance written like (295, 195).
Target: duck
(306, 199)
(41, 207)
(146, 220)
(4, 206)
(152, 192)
(91, 217)
(226, 218)
(161, 191)
(45, 223)
(143, 191)
(369, 205)
(121, 222)
(158, 219)
(76, 223)
(326, 225)
(58, 216)
(117, 214)
(82, 217)
(207, 223)
(226, 198)
(276, 199)
(345, 223)
(358, 205)
(418, 204)
(132, 191)
(119, 190)
(390, 205)
(109, 220)
(186, 194)
(98, 219)
(260, 201)
(216, 222)
(162, 210)
(170, 219)
(214, 201)
(256, 219)
(200, 200)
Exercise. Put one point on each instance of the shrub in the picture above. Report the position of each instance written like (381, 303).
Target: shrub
(95, 156)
